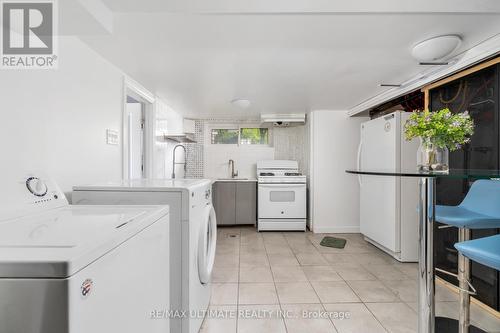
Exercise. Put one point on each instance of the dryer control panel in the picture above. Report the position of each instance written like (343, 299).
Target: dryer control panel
(29, 193)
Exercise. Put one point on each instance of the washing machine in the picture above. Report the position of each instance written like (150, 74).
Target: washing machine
(79, 269)
(193, 236)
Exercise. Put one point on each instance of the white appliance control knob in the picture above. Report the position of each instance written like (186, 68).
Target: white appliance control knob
(36, 186)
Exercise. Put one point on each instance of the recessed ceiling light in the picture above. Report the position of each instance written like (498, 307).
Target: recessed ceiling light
(241, 103)
(436, 48)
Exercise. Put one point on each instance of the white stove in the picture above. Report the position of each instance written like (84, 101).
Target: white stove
(282, 195)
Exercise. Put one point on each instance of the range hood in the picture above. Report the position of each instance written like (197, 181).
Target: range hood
(187, 136)
(284, 120)
(181, 138)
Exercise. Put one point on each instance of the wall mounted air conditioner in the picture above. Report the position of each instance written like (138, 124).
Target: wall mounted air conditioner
(284, 120)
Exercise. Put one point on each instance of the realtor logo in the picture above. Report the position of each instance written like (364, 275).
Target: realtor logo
(28, 34)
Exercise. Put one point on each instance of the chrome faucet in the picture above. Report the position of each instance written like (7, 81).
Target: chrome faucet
(174, 163)
(233, 174)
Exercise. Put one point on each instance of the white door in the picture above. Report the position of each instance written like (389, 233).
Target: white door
(379, 195)
(285, 201)
(136, 140)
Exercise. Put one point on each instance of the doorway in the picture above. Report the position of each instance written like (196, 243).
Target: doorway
(138, 122)
(136, 144)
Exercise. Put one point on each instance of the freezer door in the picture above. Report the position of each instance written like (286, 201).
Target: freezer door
(379, 195)
(380, 143)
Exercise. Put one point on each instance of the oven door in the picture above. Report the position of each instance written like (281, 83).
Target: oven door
(286, 201)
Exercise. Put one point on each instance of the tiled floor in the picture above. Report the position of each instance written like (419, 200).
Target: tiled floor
(277, 282)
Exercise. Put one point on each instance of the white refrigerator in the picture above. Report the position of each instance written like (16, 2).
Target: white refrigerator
(388, 205)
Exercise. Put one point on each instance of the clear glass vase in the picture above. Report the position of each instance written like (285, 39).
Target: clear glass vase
(430, 157)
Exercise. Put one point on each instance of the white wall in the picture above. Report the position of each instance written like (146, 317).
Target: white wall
(56, 120)
(334, 194)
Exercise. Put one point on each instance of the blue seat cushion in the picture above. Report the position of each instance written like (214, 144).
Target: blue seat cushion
(485, 251)
(461, 217)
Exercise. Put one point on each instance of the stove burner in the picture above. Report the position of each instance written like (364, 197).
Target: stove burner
(293, 174)
(266, 174)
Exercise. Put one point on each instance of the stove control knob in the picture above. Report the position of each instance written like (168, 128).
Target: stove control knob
(36, 186)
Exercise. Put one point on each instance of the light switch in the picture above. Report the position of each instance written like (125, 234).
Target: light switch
(112, 137)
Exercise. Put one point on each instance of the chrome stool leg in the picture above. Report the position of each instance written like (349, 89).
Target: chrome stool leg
(464, 280)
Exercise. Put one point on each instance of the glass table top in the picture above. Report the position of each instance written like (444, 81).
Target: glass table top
(452, 173)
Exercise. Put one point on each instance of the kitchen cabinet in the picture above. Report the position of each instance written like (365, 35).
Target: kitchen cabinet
(246, 203)
(235, 202)
(224, 199)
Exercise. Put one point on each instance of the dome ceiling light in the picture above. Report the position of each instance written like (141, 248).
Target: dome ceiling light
(434, 51)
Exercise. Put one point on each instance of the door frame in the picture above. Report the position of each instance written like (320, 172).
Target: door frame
(137, 91)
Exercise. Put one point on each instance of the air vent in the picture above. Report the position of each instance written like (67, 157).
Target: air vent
(284, 120)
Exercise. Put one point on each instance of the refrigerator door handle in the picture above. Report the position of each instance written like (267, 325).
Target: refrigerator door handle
(359, 162)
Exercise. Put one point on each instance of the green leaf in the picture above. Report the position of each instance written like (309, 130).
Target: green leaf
(441, 127)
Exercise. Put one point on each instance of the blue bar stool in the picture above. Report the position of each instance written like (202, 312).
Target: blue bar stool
(485, 251)
(480, 209)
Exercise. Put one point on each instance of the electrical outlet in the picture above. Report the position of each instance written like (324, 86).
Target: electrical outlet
(112, 137)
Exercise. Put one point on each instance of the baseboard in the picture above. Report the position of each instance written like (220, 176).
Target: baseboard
(336, 230)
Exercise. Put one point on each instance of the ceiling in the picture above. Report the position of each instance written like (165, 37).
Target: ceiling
(284, 56)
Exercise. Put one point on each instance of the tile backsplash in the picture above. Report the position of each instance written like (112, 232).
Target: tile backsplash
(194, 151)
(290, 143)
(245, 160)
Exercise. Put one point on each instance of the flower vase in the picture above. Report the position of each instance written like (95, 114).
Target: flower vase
(431, 157)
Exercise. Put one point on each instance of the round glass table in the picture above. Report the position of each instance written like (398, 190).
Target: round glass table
(426, 205)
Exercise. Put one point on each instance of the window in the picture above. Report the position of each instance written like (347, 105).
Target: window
(254, 136)
(241, 136)
(225, 136)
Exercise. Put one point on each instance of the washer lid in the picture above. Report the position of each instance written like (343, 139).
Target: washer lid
(143, 185)
(60, 242)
